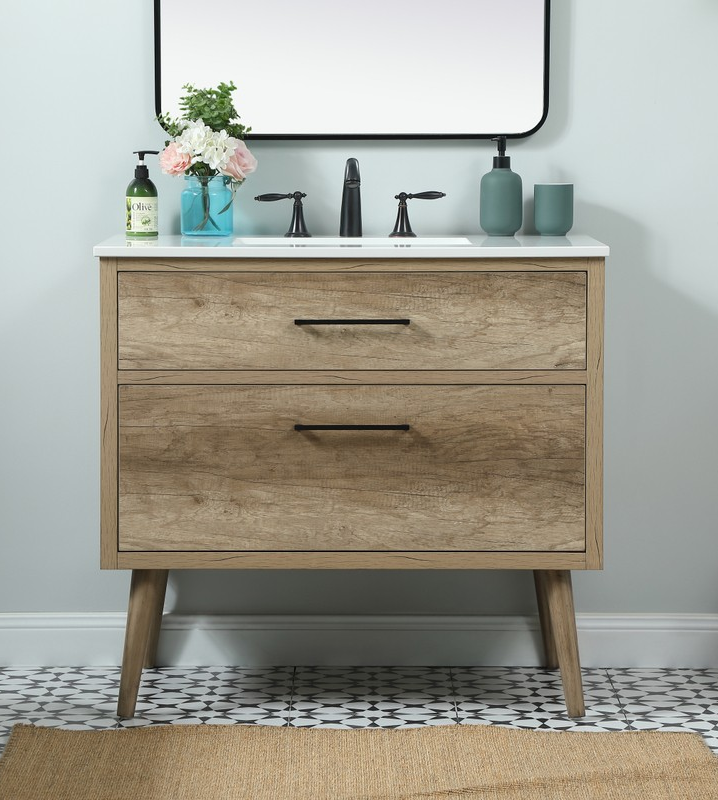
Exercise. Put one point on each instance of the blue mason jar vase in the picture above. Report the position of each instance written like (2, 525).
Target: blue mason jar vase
(206, 206)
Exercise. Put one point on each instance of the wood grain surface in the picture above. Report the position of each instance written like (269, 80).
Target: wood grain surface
(594, 416)
(238, 320)
(346, 266)
(221, 468)
(108, 415)
(349, 559)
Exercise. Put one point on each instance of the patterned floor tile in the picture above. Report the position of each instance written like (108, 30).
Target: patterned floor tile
(372, 697)
(4, 736)
(59, 697)
(680, 692)
(258, 696)
(173, 696)
(670, 700)
(531, 698)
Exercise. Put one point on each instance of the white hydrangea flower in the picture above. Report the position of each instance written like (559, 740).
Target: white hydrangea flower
(193, 139)
(218, 149)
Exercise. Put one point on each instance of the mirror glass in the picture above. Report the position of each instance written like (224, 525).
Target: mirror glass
(378, 69)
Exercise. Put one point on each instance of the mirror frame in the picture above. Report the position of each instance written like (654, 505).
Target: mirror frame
(370, 136)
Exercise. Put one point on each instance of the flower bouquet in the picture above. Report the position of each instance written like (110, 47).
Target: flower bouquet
(207, 148)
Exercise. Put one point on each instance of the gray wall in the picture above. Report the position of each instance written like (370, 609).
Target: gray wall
(632, 122)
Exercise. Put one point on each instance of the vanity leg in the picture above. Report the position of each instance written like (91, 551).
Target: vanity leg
(549, 645)
(156, 622)
(562, 622)
(145, 589)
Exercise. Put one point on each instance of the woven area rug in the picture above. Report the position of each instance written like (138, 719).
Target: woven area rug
(268, 763)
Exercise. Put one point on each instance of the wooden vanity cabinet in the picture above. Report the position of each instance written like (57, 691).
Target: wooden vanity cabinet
(351, 413)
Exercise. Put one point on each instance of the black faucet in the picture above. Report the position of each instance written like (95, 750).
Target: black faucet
(402, 226)
(297, 226)
(350, 219)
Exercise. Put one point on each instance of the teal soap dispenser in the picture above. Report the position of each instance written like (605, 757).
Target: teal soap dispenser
(501, 198)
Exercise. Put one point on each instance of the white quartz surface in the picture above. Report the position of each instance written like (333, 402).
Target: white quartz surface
(571, 246)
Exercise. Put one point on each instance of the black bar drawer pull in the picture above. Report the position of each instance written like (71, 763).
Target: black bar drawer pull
(352, 321)
(300, 427)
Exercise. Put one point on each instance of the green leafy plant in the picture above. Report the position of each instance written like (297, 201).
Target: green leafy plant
(214, 107)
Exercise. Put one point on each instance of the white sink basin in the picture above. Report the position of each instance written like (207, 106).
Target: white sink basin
(352, 241)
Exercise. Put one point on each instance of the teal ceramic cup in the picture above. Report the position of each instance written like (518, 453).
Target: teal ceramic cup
(553, 208)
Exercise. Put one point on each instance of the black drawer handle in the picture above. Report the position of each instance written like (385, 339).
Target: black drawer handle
(352, 321)
(300, 427)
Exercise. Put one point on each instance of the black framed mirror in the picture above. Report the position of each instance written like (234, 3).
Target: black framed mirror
(320, 69)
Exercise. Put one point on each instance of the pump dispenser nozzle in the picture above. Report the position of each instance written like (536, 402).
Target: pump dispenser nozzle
(501, 161)
(141, 170)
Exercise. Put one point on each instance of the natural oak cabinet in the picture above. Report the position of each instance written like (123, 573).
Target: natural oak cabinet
(386, 410)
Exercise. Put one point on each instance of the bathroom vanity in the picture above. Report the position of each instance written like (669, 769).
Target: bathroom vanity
(359, 404)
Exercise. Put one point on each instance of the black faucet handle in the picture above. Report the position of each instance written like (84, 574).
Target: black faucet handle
(427, 195)
(265, 198)
(419, 196)
(297, 227)
(402, 226)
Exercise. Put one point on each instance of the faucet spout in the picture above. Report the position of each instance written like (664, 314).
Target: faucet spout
(350, 218)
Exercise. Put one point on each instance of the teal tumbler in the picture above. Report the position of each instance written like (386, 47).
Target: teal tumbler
(553, 208)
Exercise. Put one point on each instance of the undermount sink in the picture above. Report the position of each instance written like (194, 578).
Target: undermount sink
(352, 241)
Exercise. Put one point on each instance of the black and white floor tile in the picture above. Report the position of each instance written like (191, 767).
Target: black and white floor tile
(364, 697)
(259, 696)
(675, 699)
(372, 697)
(531, 698)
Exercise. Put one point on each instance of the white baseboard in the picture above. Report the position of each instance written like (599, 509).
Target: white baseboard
(605, 640)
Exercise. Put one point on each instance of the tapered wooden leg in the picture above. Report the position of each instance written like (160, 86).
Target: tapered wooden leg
(156, 622)
(145, 589)
(559, 601)
(549, 646)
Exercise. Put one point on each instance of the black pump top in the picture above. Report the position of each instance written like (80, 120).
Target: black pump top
(141, 170)
(501, 161)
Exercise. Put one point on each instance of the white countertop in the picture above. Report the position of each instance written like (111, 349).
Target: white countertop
(473, 246)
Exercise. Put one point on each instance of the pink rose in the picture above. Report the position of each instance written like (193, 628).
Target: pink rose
(241, 163)
(172, 161)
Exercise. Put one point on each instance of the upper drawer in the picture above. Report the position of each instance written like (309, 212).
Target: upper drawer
(236, 320)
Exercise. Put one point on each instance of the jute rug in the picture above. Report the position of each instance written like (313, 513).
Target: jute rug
(267, 763)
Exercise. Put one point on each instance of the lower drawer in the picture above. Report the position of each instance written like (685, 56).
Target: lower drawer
(480, 468)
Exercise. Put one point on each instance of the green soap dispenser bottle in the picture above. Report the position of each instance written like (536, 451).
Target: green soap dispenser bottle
(501, 198)
(141, 202)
